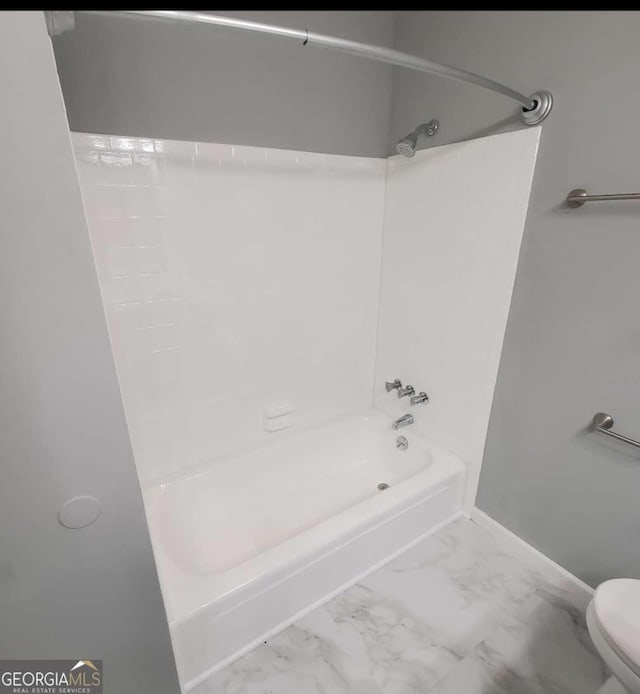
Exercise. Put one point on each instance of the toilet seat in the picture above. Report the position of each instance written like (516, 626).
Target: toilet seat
(617, 607)
(613, 618)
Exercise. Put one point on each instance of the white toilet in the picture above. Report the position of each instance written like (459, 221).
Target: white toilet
(613, 618)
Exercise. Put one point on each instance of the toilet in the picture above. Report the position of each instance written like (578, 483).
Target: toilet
(613, 618)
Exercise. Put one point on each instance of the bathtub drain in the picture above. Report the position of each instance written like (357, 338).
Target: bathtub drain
(382, 486)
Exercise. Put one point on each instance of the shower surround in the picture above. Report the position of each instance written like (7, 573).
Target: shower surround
(237, 281)
(257, 300)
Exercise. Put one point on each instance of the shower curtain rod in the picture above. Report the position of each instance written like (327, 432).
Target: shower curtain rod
(535, 107)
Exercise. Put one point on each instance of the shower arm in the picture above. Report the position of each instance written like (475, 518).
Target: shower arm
(535, 108)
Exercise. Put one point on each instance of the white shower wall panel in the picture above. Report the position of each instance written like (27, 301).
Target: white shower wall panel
(454, 220)
(235, 279)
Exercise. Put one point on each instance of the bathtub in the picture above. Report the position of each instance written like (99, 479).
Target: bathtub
(247, 545)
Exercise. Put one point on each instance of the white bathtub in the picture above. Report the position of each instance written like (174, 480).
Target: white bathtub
(246, 545)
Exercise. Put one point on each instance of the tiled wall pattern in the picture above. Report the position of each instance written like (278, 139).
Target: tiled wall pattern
(234, 279)
(453, 226)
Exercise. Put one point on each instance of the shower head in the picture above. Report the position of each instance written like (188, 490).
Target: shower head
(407, 146)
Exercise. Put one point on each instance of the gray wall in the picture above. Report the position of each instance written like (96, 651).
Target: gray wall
(70, 594)
(572, 346)
(181, 82)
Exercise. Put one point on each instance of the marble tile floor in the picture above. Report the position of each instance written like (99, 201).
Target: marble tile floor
(459, 613)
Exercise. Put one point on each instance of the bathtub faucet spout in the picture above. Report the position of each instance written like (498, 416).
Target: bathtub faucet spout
(403, 421)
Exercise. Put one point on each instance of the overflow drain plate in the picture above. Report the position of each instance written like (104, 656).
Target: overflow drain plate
(382, 486)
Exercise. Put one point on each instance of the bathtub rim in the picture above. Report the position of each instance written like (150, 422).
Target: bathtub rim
(218, 593)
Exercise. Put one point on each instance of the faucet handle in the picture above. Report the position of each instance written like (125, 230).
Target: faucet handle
(420, 398)
(407, 390)
(393, 385)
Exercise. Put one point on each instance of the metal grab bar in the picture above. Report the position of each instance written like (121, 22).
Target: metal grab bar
(579, 196)
(603, 422)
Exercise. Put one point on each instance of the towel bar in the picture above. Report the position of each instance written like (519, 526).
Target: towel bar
(579, 196)
(603, 422)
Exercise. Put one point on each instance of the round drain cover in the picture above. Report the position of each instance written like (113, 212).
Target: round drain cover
(79, 512)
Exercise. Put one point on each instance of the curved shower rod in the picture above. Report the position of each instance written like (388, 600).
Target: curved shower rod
(535, 108)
